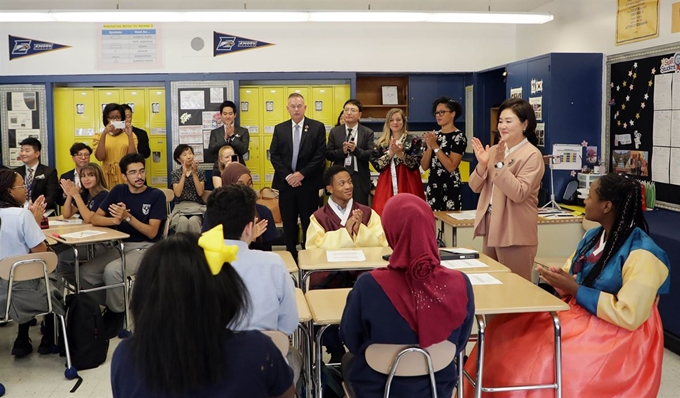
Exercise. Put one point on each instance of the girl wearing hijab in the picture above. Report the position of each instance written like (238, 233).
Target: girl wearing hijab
(236, 173)
(415, 300)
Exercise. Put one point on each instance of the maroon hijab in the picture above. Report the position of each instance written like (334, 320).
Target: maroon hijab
(431, 298)
(233, 172)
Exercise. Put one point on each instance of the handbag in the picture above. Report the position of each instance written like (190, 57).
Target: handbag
(269, 198)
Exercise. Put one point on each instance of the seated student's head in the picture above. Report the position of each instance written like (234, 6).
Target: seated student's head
(30, 151)
(225, 157)
(92, 178)
(182, 308)
(80, 153)
(183, 153)
(12, 189)
(338, 184)
(133, 170)
(236, 173)
(233, 207)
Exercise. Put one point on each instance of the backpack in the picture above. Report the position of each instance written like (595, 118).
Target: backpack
(85, 328)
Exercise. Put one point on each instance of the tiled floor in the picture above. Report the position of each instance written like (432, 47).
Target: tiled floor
(43, 376)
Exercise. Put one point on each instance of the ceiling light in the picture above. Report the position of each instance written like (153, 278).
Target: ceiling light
(245, 16)
(367, 16)
(490, 17)
(27, 16)
(118, 16)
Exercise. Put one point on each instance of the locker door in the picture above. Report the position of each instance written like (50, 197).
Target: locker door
(76, 118)
(157, 164)
(254, 163)
(106, 96)
(273, 107)
(302, 90)
(250, 109)
(136, 98)
(321, 106)
(341, 93)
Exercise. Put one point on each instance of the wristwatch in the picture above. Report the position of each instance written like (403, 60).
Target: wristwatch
(499, 165)
(127, 219)
(435, 150)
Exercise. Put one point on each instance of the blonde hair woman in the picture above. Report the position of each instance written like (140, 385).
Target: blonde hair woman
(396, 156)
(86, 200)
(224, 159)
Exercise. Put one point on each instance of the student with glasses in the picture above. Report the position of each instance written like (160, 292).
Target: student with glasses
(444, 152)
(350, 145)
(113, 143)
(80, 153)
(137, 210)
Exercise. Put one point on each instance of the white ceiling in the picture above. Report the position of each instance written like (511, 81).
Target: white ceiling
(429, 5)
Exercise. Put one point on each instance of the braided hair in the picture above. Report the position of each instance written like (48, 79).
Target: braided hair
(7, 180)
(626, 197)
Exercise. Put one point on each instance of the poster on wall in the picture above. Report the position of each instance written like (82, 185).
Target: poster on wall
(537, 104)
(516, 92)
(22, 115)
(129, 46)
(568, 156)
(636, 20)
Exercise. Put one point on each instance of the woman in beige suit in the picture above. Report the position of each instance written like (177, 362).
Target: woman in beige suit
(508, 176)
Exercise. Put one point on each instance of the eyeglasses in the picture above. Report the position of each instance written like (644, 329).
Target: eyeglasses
(352, 110)
(81, 155)
(441, 113)
(20, 186)
(115, 118)
(136, 172)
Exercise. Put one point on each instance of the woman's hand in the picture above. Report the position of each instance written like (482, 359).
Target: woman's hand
(70, 189)
(430, 139)
(500, 150)
(562, 281)
(109, 129)
(396, 149)
(128, 129)
(260, 228)
(481, 152)
(38, 208)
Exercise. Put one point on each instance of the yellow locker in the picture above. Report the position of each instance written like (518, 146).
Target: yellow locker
(273, 107)
(302, 90)
(153, 113)
(254, 160)
(341, 93)
(136, 98)
(321, 106)
(106, 96)
(250, 109)
(266, 163)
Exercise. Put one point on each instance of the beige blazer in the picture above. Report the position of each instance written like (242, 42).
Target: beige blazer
(514, 219)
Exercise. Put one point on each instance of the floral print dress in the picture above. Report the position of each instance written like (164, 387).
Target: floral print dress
(444, 187)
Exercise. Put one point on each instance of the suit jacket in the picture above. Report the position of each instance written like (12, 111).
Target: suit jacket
(142, 142)
(514, 216)
(69, 175)
(47, 185)
(239, 141)
(311, 156)
(364, 146)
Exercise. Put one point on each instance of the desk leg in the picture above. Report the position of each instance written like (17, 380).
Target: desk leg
(77, 264)
(307, 358)
(461, 375)
(558, 353)
(303, 281)
(319, 361)
(126, 298)
(480, 355)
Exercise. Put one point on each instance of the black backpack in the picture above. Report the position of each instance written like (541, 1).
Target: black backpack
(85, 328)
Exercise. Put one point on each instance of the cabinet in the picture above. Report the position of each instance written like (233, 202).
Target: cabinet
(369, 93)
(424, 89)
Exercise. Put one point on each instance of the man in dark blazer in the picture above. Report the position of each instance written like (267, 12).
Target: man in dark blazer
(80, 153)
(297, 153)
(142, 136)
(39, 179)
(350, 145)
(236, 137)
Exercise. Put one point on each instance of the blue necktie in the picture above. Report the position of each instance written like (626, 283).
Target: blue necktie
(296, 146)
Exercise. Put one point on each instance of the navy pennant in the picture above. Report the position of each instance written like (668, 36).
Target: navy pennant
(227, 44)
(22, 47)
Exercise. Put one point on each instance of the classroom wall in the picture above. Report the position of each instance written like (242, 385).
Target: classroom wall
(325, 47)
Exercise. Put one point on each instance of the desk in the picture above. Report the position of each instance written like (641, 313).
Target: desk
(305, 317)
(515, 295)
(556, 237)
(493, 265)
(315, 260)
(291, 266)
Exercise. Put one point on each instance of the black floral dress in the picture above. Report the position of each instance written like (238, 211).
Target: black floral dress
(444, 188)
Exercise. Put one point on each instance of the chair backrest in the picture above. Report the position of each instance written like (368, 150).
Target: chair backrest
(31, 266)
(280, 340)
(169, 195)
(381, 358)
(206, 193)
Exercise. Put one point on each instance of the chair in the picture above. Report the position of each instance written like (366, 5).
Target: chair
(280, 340)
(29, 267)
(169, 198)
(206, 193)
(414, 361)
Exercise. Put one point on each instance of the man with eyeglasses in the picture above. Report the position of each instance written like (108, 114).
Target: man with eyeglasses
(39, 179)
(297, 153)
(137, 210)
(350, 145)
(80, 153)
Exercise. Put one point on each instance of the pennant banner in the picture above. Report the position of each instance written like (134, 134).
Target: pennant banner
(23, 47)
(226, 44)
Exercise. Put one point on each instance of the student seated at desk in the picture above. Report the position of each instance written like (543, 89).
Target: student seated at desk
(185, 306)
(20, 234)
(232, 217)
(137, 210)
(343, 223)
(415, 300)
(612, 337)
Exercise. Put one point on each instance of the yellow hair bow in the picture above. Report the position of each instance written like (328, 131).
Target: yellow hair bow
(216, 252)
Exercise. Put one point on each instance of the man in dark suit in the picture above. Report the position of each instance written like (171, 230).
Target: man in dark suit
(297, 153)
(39, 179)
(236, 137)
(80, 153)
(350, 145)
(142, 135)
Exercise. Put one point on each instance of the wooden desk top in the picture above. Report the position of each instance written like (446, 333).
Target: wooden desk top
(288, 260)
(515, 295)
(302, 307)
(493, 265)
(327, 305)
(444, 216)
(108, 235)
(315, 259)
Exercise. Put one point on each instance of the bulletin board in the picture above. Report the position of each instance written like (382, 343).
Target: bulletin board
(195, 112)
(643, 119)
(22, 115)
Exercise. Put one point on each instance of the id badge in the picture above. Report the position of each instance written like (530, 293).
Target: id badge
(348, 161)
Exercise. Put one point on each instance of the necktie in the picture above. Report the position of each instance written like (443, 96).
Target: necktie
(29, 182)
(349, 134)
(296, 146)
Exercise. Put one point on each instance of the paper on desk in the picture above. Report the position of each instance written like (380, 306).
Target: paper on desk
(460, 250)
(464, 215)
(66, 222)
(341, 256)
(460, 264)
(82, 234)
(483, 279)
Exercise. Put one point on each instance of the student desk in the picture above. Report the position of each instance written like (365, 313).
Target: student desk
(493, 265)
(515, 295)
(315, 260)
(291, 266)
(557, 237)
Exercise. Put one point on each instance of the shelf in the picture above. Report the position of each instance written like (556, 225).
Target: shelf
(372, 120)
(369, 92)
(385, 106)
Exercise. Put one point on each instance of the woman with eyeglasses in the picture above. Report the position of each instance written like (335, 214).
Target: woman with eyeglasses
(20, 234)
(444, 152)
(113, 143)
(396, 156)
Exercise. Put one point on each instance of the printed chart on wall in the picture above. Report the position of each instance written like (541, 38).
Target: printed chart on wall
(128, 46)
(195, 113)
(22, 116)
(644, 119)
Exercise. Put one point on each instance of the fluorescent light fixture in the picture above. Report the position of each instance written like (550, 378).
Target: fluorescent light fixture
(141, 16)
